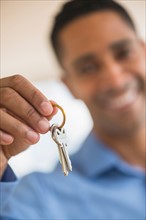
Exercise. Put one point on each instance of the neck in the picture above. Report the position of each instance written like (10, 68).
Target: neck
(131, 149)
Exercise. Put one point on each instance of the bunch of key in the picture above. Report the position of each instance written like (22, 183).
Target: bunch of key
(59, 136)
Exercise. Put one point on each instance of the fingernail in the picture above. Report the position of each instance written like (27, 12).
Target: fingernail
(43, 125)
(47, 108)
(7, 138)
(32, 136)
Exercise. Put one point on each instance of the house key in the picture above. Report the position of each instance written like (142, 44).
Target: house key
(59, 136)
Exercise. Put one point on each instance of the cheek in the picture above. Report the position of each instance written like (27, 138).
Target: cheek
(141, 68)
(84, 90)
(137, 65)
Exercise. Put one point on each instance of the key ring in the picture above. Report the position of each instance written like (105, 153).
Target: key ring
(63, 113)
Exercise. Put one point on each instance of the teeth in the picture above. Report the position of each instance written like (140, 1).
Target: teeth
(122, 101)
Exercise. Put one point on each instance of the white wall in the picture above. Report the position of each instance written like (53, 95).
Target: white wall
(24, 31)
(24, 38)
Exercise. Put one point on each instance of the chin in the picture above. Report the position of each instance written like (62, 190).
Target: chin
(128, 129)
(124, 126)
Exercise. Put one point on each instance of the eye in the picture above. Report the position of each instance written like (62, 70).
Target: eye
(123, 53)
(88, 68)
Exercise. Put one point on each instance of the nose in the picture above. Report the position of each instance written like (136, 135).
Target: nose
(115, 77)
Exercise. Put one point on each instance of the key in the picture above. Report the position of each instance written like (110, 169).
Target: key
(59, 136)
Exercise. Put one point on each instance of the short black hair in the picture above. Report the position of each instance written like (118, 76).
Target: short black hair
(76, 8)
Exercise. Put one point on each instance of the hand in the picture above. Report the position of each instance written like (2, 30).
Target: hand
(24, 114)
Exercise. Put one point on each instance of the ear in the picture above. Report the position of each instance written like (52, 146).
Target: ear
(69, 83)
(143, 44)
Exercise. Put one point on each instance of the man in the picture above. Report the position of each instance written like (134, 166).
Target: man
(104, 65)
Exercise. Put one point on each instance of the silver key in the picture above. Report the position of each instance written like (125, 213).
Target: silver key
(59, 136)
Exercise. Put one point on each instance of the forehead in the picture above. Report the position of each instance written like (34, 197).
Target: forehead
(94, 31)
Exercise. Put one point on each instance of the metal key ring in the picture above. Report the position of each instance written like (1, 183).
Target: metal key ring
(63, 113)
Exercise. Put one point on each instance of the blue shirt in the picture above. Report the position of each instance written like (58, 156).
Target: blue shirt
(101, 186)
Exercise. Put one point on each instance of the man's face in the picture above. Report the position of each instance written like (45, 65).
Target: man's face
(105, 67)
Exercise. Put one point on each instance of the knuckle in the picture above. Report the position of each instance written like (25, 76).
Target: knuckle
(17, 79)
(1, 111)
(29, 142)
(35, 95)
(7, 93)
(30, 113)
(20, 130)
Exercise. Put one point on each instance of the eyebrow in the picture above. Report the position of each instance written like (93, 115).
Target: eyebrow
(120, 44)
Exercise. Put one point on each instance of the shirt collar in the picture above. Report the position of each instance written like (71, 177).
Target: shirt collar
(95, 159)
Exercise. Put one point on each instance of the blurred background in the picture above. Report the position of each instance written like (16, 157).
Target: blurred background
(26, 49)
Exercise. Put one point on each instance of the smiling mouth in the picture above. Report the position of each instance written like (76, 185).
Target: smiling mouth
(121, 99)
(122, 102)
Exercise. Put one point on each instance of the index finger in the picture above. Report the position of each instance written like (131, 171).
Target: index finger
(29, 93)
